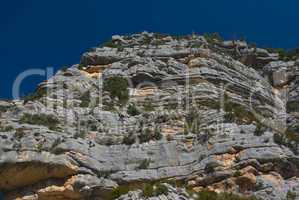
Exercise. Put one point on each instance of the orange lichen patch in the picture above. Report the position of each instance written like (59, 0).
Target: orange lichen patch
(196, 80)
(92, 135)
(66, 191)
(249, 169)
(210, 146)
(79, 155)
(246, 182)
(198, 189)
(171, 130)
(224, 186)
(189, 143)
(143, 92)
(14, 176)
(227, 160)
(95, 71)
(275, 178)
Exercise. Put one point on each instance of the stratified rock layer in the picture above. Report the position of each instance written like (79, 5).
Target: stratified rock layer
(206, 114)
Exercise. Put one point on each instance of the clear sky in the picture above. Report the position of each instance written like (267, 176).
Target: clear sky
(43, 33)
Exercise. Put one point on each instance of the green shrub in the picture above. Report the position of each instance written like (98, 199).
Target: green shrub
(64, 68)
(237, 173)
(213, 37)
(49, 121)
(80, 134)
(112, 44)
(289, 139)
(20, 133)
(285, 55)
(5, 128)
(81, 67)
(259, 131)
(291, 195)
(129, 139)
(148, 105)
(133, 110)
(207, 195)
(118, 88)
(237, 113)
(146, 136)
(119, 191)
(161, 189)
(293, 106)
(148, 190)
(144, 164)
(157, 134)
(39, 93)
(85, 99)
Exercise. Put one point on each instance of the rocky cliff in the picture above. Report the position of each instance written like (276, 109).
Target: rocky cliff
(151, 116)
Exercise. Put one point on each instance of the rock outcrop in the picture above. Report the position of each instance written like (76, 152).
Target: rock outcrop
(149, 108)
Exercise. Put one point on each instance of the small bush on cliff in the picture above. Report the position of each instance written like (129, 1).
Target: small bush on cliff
(148, 135)
(148, 105)
(85, 99)
(291, 195)
(129, 139)
(213, 37)
(39, 93)
(289, 139)
(117, 192)
(148, 190)
(207, 195)
(133, 110)
(259, 131)
(144, 164)
(151, 190)
(118, 89)
(161, 189)
(49, 121)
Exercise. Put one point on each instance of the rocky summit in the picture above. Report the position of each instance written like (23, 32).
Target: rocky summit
(158, 117)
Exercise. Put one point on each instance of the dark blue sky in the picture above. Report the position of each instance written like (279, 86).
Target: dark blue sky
(43, 33)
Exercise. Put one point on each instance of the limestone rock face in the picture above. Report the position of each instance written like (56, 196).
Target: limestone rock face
(151, 108)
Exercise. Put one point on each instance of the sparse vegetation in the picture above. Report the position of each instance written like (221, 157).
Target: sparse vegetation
(289, 139)
(285, 55)
(291, 195)
(148, 135)
(148, 190)
(192, 122)
(39, 93)
(112, 44)
(80, 134)
(161, 189)
(293, 106)
(118, 89)
(236, 112)
(148, 105)
(133, 110)
(260, 130)
(157, 134)
(237, 173)
(207, 195)
(5, 128)
(81, 67)
(144, 164)
(129, 139)
(49, 121)
(213, 37)
(20, 133)
(119, 191)
(85, 99)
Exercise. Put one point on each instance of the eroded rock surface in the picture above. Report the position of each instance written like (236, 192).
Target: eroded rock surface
(217, 116)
